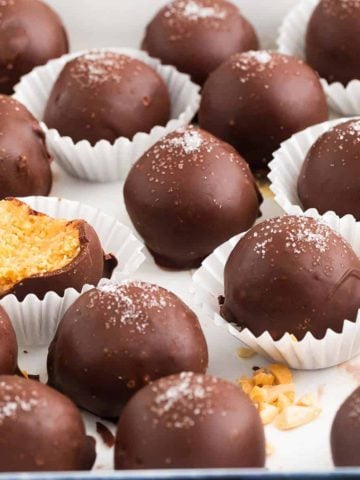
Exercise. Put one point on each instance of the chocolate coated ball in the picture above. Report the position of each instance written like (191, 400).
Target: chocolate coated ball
(256, 100)
(189, 421)
(188, 194)
(24, 159)
(31, 33)
(115, 339)
(292, 275)
(40, 429)
(330, 176)
(333, 42)
(8, 345)
(196, 36)
(106, 95)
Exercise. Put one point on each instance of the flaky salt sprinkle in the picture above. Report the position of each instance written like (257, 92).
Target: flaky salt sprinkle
(190, 141)
(194, 11)
(126, 307)
(14, 400)
(179, 404)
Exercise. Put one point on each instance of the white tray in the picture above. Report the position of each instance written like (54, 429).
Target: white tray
(121, 22)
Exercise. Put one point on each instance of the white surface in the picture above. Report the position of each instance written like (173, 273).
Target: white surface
(121, 22)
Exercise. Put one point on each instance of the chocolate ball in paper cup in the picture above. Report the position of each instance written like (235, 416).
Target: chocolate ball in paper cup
(97, 134)
(289, 288)
(319, 168)
(319, 32)
(51, 259)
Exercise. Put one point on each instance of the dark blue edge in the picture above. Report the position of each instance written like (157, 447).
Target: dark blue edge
(237, 474)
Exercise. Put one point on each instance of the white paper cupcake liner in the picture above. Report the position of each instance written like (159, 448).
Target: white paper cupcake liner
(287, 163)
(106, 162)
(307, 354)
(35, 321)
(291, 41)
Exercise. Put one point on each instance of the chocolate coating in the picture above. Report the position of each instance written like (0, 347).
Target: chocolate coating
(256, 100)
(117, 338)
(291, 274)
(31, 33)
(104, 96)
(345, 433)
(40, 429)
(189, 421)
(330, 176)
(332, 40)
(188, 194)
(8, 345)
(24, 159)
(88, 267)
(196, 36)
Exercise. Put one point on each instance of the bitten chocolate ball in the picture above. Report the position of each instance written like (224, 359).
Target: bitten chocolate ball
(188, 194)
(31, 33)
(332, 40)
(106, 95)
(117, 338)
(189, 421)
(330, 176)
(24, 159)
(291, 275)
(345, 433)
(196, 36)
(256, 100)
(40, 429)
(8, 345)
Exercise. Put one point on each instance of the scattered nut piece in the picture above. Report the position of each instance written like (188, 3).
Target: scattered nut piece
(268, 413)
(273, 392)
(307, 400)
(245, 352)
(281, 373)
(295, 416)
(269, 449)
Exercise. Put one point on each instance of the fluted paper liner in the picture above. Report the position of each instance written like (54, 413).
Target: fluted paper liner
(291, 40)
(35, 321)
(307, 354)
(106, 162)
(287, 163)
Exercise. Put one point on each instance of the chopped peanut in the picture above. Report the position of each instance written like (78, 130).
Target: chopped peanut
(258, 395)
(273, 392)
(307, 400)
(268, 413)
(246, 352)
(295, 416)
(246, 384)
(263, 378)
(281, 373)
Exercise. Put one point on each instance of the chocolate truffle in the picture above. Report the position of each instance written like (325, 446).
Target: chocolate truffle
(332, 40)
(8, 345)
(39, 254)
(31, 33)
(24, 159)
(292, 275)
(189, 421)
(196, 36)
(188, 194)
(345, 433)
(330, 176)
(106, 95)
(256, 100)
(117, 338)
(40, 429)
